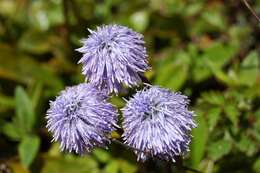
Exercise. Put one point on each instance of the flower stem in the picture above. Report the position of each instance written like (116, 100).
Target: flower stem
(251, 10)
(179, 165)
(168, 167)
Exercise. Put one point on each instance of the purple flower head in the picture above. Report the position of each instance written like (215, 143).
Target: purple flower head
(81, 118)
(113, 56)
(158, 123)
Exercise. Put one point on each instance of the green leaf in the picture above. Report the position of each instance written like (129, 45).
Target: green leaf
(220, 75)
(193, 9)
(210, 62)
(119, 102)
(24, 110)
(140, 20)
(28, 149)
(54, 150)
(34, 42)
(70, 164)
(218, 149)
(10, 130)
(8, 8)
(112, 167)
(200, 71)
(218, 54)
(173, 72)
(101, 155)
(249, 69)
(247, 146)
(44, 14)
(36, 95)
(232, 113)
(6, 102)
(256, 127)
(244, 143)
(214, 18)
(214, 98)
(127, 167)
(199, 140)
(213, 117)
(34, 71)
(256, 166)
(239, 34)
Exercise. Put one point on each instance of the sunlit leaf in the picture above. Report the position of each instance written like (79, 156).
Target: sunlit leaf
(44, 14)
(28, 149)
(25, 115)
(256, 165)
(214, 18)
(6, 102)
(140, 20)
(117, 101)
(102, 155)
(173, 72)
(26, 69)
(36, 95)
(247, 145)
(199, 141)
(12, 131)
(112, 167)
(193, 8)
(214, 97)
(218, 149)
(69, 163)
(249, 69)
(213, 117)
(7, 7)
(127, 167)
(232, 113)
(218, 54)
(35, 42)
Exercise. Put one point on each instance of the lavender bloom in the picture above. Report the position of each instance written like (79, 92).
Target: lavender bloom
(158, 123)
(113, 56)
(81, 118)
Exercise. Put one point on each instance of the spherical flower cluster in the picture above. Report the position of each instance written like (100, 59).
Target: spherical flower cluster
(113, 56)
(81, 118)
(158, 123)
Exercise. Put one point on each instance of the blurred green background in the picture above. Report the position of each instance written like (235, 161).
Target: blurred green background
(207, 49)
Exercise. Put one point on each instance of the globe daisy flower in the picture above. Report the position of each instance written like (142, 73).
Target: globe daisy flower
(80, 118)
(157, 123)
(114, 56)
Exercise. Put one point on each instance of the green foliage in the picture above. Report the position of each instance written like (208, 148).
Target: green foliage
(68, 164)
(206, 49)
(28, 149)
(257, 165)
(101, 155)
(140, 20)
(119, 165)
(177, 67)
(219, 149)
(199, 141)
(248, 70)
(25, 117)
